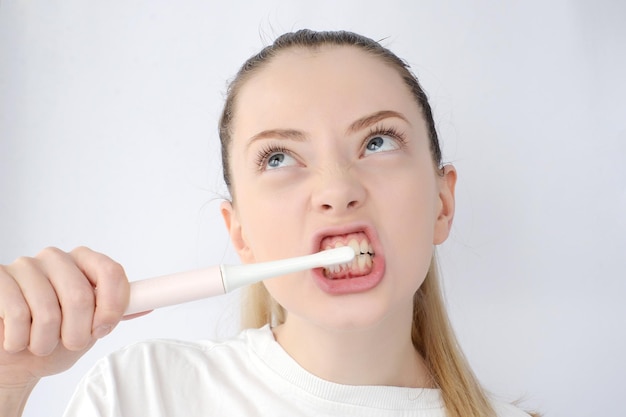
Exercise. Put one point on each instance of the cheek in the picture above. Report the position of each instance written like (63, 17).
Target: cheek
(271, 223)
(411, 199)
(409, 224)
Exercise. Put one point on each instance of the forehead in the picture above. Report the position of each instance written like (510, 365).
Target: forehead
(332, 84)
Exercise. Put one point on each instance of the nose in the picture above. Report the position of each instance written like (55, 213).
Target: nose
(338, 191)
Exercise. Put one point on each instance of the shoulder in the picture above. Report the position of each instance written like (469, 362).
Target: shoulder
(163, 359)
(162, 374)
(153, 352)
(505, 409)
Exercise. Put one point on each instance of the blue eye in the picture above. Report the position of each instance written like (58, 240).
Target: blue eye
(274, 157)
(276, 160)
(380, 143)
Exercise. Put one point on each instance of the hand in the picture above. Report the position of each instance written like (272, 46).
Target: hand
(53, 308)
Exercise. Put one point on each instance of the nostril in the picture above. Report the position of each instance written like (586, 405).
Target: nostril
(329, 207)
(352, 204)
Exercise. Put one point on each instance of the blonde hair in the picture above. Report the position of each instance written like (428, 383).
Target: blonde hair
(432, 332)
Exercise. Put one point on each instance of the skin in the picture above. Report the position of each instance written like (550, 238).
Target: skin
(51, 315)
(305, 102)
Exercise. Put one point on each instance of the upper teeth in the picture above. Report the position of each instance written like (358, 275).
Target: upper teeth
(360, 250)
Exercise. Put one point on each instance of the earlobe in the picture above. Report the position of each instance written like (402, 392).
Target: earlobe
(235, 231)
(445, 215)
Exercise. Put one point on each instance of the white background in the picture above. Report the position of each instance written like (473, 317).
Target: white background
(108, 114)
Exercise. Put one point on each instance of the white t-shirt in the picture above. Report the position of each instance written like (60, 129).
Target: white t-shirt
(250, 375)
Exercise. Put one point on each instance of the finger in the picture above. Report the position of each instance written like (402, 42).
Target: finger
(75, 295)
(42, 303)
(112, 289)
(14, 313)
(136, 315)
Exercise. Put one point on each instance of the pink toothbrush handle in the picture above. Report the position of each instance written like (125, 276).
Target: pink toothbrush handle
(148, 294)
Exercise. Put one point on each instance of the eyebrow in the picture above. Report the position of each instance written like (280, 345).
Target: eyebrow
(292, 134)
(374, 118)
(357, 125)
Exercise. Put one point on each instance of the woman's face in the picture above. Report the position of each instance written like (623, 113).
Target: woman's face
(329, 148)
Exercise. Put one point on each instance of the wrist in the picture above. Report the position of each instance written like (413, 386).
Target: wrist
(13, 398)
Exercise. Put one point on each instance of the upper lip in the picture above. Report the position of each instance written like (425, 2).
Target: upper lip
(344, 230)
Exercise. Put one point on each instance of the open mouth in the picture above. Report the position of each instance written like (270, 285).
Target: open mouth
(363, 261)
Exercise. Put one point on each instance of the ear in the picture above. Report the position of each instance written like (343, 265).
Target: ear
(235, 230)
(445, 214)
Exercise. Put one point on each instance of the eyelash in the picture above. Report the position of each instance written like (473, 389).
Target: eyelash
(266, 151)
(379, 130)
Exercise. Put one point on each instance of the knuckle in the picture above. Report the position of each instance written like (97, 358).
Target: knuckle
(18, 313)
(113, 269)
(50, 252)
(23, 262)
(79, 250)
(79, 298)
(49, 316)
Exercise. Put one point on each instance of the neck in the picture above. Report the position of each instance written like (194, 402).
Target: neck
(379, 355)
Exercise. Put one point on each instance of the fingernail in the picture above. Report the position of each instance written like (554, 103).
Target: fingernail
(102, 331)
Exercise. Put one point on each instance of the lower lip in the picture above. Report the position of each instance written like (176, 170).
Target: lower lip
(351, 285)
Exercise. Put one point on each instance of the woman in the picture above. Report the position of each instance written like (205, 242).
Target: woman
(327, 140)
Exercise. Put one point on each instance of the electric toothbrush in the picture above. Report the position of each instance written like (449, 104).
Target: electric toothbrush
(167, 290)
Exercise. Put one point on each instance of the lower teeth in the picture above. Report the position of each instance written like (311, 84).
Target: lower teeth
(361, 264)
